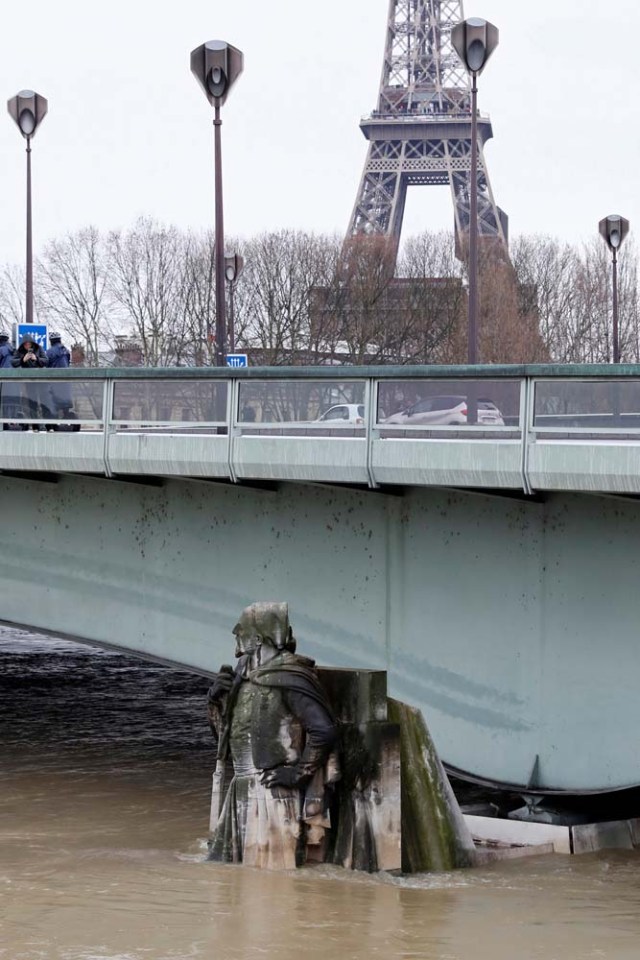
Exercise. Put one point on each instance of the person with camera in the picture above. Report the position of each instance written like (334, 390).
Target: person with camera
(28, 356)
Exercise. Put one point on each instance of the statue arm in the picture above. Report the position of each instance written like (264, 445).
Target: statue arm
(320, 737)
(217, 702)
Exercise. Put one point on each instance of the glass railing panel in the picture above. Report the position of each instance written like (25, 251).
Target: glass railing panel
(65, 405)
(416, 408)
(302, 407)
(169, 406)
(587, 407)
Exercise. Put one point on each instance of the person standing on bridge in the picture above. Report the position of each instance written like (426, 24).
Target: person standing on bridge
(58, 357)
(8, 394)
(30, 356)
(6, 350)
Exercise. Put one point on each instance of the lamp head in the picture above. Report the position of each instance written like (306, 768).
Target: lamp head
(216, 65)
(474, 40)
(27, 109)
(233, 264)
(613, 229)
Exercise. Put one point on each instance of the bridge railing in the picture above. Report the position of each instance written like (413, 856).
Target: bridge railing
(587, 407)
(52, 404)
(527, 428)
(168, 406)
(309, 407)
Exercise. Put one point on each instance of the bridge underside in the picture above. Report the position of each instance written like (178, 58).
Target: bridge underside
(511, 623)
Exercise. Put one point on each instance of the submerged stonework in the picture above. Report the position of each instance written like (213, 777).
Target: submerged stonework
(310, 769)
(366, 801)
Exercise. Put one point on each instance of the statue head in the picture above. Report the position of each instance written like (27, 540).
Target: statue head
(263, 631)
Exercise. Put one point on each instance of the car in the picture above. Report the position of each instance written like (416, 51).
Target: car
(450, 410)
(344, 412)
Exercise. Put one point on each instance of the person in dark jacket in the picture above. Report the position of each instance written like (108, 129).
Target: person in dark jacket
(57, 354)
(29, 356)
(6, 350)
(8, 391)
(59, 357)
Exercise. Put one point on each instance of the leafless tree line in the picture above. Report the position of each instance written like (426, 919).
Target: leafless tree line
(147, 293)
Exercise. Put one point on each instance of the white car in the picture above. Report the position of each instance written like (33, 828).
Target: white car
(447, 410)
(344, 412)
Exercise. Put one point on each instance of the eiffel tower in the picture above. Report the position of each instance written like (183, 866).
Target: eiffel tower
(420, 132)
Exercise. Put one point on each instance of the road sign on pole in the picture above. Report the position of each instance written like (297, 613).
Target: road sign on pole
(237, 360)
(37, 332)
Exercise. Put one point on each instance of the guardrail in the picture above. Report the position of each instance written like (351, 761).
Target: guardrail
(529, 428)
(461, 116)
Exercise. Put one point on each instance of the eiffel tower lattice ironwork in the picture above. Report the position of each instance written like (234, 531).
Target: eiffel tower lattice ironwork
(420, 132)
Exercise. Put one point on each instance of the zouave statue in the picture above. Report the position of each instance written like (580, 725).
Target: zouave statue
(275, 732)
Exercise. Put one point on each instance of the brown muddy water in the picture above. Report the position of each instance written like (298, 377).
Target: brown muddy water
(104, 790)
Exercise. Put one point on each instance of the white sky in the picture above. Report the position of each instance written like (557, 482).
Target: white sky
(129, 131)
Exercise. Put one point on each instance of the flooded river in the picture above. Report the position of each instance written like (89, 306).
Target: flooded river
(104, 791)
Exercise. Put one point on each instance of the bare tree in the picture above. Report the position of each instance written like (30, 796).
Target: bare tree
(509, 329)
(594, 283)
(437, 299)
(629, 302)
(547, 271)
(357, 314)
(281, 270)
(12, 295)
(571, 287)
(196, 293)
(145, 284)
(72, 283)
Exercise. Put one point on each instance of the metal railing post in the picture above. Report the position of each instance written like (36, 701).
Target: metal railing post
(107, 422)
(371, 418)
(527, 397)
(233, 394)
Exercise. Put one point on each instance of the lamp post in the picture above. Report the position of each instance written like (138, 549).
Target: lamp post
(474, 41)
(614, 229)
(28, 109)
(233, 264)
(216, 66)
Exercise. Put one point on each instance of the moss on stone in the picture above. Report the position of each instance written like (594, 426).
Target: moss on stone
(434, 834)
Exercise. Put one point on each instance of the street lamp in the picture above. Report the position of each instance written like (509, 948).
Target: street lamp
(28, 109)
(216, 66)
(614, 229)
(233, 264)
(474, 41)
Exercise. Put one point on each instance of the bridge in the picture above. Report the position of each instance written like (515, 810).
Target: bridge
(473, 531)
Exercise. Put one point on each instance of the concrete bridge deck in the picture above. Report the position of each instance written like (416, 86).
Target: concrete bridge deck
(557, 428)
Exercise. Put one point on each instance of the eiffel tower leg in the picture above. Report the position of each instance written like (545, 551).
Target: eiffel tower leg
(492, 221)
(379, 206)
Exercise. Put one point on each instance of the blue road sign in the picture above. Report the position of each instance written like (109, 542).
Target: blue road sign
(237, 360)
(37, 332)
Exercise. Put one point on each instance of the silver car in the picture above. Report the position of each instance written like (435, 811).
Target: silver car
(447, 410)
(345, 412)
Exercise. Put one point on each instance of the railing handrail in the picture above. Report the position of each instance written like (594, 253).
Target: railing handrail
(524, 430)
(601, 371)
